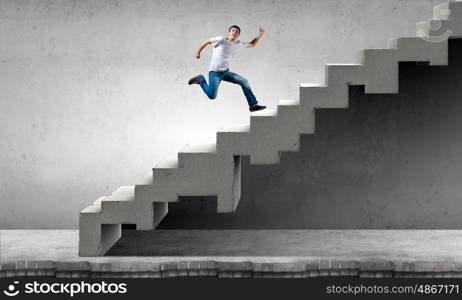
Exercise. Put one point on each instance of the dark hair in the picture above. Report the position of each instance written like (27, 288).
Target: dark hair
(234, 26)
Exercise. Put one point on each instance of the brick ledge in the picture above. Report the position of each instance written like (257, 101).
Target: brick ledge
(298, 268)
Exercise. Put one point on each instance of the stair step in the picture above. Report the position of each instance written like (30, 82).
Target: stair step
(260, 121)
(170, 162)
(381, 67)
(341, 74)
(290, 111)
(165, 169)
(313, 85)
(273, 133)
(311, 91)
(321, 96)
(418, 49)
(243, 128)
(371, 54)
(288, 103)
(192, 155)
(94, 208)
(120, 206)
(234, 139)
(279, 139)
(199, 148)
(264, 113)
(123, 193)
(297, 118)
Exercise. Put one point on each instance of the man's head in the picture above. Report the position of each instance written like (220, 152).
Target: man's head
(233, 32)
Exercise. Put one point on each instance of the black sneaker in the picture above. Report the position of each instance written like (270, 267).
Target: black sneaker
(194, 80)
(256, 108)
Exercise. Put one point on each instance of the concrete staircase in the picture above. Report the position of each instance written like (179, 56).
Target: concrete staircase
(215, 169)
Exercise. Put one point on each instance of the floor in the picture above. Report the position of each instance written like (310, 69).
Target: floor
(390, 245)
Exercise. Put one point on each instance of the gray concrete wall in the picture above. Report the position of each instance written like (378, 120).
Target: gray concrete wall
(388, 162)
(93, 93)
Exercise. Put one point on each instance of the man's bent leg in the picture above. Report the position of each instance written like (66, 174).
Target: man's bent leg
(211, 89)
(244, 83)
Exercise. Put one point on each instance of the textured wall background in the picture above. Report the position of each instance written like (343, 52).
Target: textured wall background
(93, 93)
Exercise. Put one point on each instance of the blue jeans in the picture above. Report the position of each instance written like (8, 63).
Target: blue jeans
(215, 78)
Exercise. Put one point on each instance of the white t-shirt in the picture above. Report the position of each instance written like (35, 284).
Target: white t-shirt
(223, 51)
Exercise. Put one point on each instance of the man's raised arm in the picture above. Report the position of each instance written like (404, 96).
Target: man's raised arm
(202, 46)
(255, 40)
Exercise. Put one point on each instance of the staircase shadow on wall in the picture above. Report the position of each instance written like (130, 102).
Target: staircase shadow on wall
(388, 162)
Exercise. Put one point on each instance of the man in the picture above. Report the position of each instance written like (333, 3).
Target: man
(224, 49)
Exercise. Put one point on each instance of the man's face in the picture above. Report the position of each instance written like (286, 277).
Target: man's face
(233, 33)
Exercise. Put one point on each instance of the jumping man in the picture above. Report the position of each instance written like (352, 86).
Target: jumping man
(223, 50)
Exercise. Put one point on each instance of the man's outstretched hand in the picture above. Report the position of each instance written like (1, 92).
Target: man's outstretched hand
(197, 55)
(261, 30)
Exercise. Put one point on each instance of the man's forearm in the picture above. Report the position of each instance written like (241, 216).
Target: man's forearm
(202, 46)
(256, 39)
